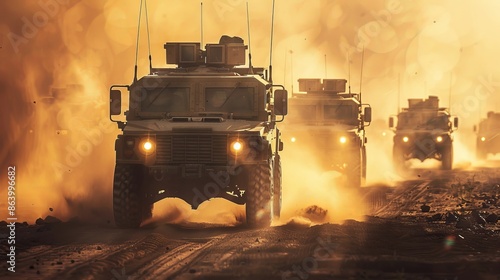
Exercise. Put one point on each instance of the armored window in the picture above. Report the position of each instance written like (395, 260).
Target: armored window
(233, 100)
(167, 99)
(302, 113)
(340, 112)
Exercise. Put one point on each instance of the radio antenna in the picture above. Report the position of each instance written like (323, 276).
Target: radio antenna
(201, 23)
(271, 49)
(349, 70)
(449, 94)
(399, 91)
(325, 67)
(250, 67)
(361, 74)
(149, 42)
(137, 42)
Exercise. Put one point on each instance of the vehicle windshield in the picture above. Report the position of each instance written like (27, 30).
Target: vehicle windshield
(302, 113)
(341, 112)
(422, 120)
(166, 99)
(232, 100)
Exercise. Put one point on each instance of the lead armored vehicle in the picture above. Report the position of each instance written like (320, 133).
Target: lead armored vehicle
(423, 131)
(203, 129)
(330, 124)
(488, 140)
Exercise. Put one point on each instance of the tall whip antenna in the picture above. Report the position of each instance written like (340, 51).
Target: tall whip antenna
(250, 70)
(201, 23)
(271, 50)
(325, 67)
(361, 74)
(349, 70)
(399, 91)
(137, 42)
(149, 42)
(449, 94)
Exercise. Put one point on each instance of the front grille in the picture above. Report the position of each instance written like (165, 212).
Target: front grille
(191, 149)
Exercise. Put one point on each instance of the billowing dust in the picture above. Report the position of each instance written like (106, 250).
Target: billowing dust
(410, 48)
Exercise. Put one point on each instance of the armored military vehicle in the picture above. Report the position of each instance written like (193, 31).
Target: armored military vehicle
(330, 124)
(423, 131)
(201, 130)
(488, 140)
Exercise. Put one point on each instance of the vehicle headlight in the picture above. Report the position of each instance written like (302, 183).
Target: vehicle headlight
(236, 147)
(405, 139)
(342, 139)
(147, 146)
(483, 139)
(293, 139)
(439, 139)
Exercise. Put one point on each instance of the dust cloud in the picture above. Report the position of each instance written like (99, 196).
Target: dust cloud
(409, 49)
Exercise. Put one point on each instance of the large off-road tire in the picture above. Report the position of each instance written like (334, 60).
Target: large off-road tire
(354, 170)
(259, 204)
(277, 193)
(481, 153)
(447, 157)
(398, 159)
(129, 206)
(363, 165)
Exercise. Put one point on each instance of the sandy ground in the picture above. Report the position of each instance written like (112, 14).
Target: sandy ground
(434, 225)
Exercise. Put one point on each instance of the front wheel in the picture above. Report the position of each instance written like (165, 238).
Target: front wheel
(259, 205)
(277, 194)
(355, 170)
(447, 157)
(129, 206)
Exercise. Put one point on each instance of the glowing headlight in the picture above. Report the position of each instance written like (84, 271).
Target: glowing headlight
(483, 139)
(293, 139)
(343, 139)
(439, 139)
(147, 146)
(236, 146)
(405, 139)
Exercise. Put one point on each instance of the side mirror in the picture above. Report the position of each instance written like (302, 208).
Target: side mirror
(368, 114)
(391, 122)
(115, 102)
(281, 102)
(455, 122)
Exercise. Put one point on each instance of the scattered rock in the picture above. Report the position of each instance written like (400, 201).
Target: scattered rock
(257, 240)
(485, 205)
(72, 261)
(32, 267)
(59, 262)
(39, 221)
(99, 248)
(478, 218)
(51, 209)
(425, 208)
(464, 223)
(52, 220)
(492, 218)
(437, 217)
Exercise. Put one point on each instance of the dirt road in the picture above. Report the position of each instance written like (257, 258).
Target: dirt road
(424, 228)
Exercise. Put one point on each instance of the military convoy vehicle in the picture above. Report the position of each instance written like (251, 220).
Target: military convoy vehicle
(201, 130)
(488, 140)
(423, 131)
(330, 124)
